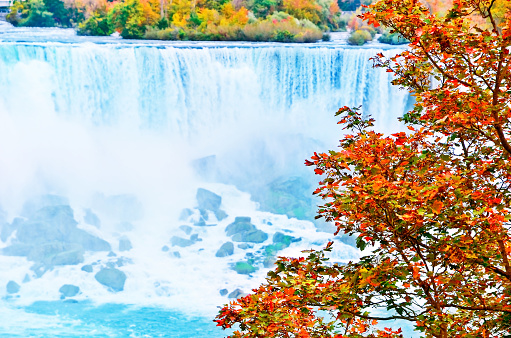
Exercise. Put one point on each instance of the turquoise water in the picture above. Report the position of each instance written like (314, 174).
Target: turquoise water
(83, 319)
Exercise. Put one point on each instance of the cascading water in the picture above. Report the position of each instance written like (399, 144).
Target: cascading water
(120, 136)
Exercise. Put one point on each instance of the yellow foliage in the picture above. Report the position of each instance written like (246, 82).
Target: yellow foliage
(179, 20)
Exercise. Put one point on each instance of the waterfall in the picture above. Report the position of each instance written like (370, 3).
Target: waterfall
(130, 131)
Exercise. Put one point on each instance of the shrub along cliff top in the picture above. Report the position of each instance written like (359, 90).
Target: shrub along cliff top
(254, 20)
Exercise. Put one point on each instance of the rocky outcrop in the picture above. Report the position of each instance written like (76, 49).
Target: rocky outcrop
(125, 244)
(242, 230)
(68, 290)
(237, 294)
(244, 268)
(227, 249)
(50, 237)
(12, 287)
(208, 200)
(112, 278)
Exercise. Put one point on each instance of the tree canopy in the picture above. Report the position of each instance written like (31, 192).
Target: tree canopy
(432, 203)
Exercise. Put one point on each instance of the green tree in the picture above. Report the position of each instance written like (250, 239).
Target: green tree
(128, 18)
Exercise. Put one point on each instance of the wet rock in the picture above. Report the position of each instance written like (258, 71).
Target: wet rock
(254, 236)
(71, 257)
(245, 246)
(87, 268)
(125, 244)
(50, 237)
(182, 242)
(289, 196)
(40, 202)
(112, 278)
(123, 261)
(204, 214)
(12, 287)
(165, 248)
(176, 254)
(88, 241)
(220, 214)
(18, 249)
(195, 238)
(244, 268)
(186, 229)
(39, 269)
(226, 249)
(223, 292)
(68, 290)
(236, 294)
(240, 225)
(71, 301)
(200, 223)
(279, 237)
(91, 218)
(26, 279)
(185, 214)
(208, 200)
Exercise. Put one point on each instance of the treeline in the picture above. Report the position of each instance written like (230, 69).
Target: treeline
(254, 20)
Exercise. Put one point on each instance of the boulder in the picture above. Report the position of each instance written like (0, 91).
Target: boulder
(39, 202)
(200, 223)
(87, 241)
(223, 292)
(125, 244)
(122, 261)
(165, 248)
(179, 241)
(45, 253)
(245, 246)
(236, 294)
(279, 237)
(185, 214)
(18, 249)
(220, 214)
(71, 257)
(239, 227)
(208, 200)
(244, 268)
(186, 229)
(226, 249)
(254, 236)
(288, 196)
(91, 218)
(112, 278)
(68, 290)
(195, 238)
(87, 268)
(12, 287)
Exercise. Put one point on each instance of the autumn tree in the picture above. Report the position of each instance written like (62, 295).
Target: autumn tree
(431, 205)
